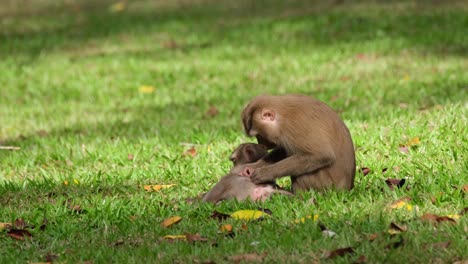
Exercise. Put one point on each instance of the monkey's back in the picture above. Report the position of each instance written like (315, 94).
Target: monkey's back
(316, 122)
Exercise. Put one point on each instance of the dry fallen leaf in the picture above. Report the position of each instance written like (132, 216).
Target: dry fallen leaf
(248, 214)
(410, 143)
(465, 188)
(212, 111)
(5, 226)
(176, 237)
(171, 221)
(130, 157)
(400, 203)
(146, 89)
(413, 142)
(226, 228)
(396, 228)
(339, 252)
(391, 183)
(192, 151)
(18, 234)
(372, 237)
(436, 219)
(195, 237)
(118, 7)
(156, 187)
(251, 257)
(20, 223)
(365, 171)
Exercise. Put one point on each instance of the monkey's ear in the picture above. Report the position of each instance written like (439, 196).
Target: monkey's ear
(268, 115)
(249, 153)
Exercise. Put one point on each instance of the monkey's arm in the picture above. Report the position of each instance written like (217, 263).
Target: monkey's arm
(294, 165)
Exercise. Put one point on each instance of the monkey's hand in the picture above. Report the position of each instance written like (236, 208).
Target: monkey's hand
(257, 175)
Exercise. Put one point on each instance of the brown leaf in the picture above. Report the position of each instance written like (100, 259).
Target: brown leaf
(171, 221)
(20, 223)
(396, 228)
(75, 208)
(365, 171)
(465, 188)
(212, 111)
(195, 237)
(250, 257)
(339, 252)
(171, 44)
(219, 216)
(226, 228)
(192, 151)
(372, 237)
(391, 183)
(130, 157)
(18, 234)
(437, 219)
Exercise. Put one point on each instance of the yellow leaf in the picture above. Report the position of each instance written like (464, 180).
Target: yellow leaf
(76, 181)
(65, 182)
(118, 7)
(171, 221)
(454, 216)
(5, 225)
(413, 142)
(409, 207)
(226, 228)
(248, 214)
(146, 89)
(157, 187)
(398, 205)
(302, 220)
(393, 231)
(176, 237)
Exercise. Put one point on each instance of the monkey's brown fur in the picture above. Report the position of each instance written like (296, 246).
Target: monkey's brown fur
(311, 143)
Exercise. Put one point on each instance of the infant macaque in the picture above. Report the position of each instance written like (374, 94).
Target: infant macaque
(233, 185)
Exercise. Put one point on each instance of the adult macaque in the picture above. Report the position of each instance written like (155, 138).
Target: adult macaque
(235, 186)
(310, 143)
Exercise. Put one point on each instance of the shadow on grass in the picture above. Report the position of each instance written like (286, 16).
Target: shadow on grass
(189, 122)
(427, 26)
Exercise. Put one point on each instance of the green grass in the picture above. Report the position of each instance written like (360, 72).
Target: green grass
(70, 74)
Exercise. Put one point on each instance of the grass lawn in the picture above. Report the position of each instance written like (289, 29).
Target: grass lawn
(102, 99)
